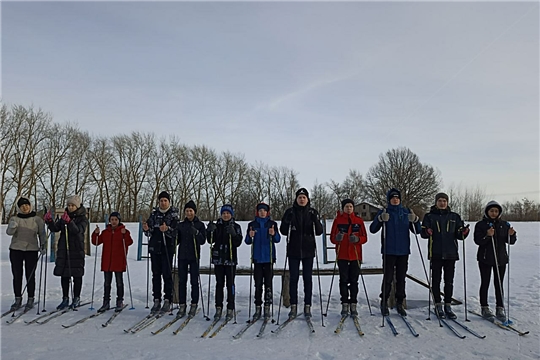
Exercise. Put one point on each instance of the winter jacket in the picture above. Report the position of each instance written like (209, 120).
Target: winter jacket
(500, 238)
(301, 242)
(223, 244)
(397, 229)
(157, 238)
(189, 244)
(263, 248)
(27, 231)
(348, 224)
(72, 236)
(447, 228)
(115, 247)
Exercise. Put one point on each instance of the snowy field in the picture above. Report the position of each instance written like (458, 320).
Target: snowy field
(90, 341)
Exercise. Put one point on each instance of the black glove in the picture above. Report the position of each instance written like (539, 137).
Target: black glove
(339, 236)
(314, 215)
(43, 249)
(211, 227)
(230, 230)
(194, 230)
(354, 239)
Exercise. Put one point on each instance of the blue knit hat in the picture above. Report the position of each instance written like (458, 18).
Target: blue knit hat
(227, 207)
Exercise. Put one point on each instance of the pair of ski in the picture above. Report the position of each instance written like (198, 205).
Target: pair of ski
(43, 319)
(444, 321)
(253, 321)
(356, 321)
(214, 323)
(290, 319)
(145, 322)
(91, 316)
(176, 318)
(504, 326)
(405, 320)
(15, 317)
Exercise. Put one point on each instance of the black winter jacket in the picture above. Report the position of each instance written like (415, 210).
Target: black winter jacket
(171, 219)
(485, 243)
(189, 245)
(224, 245)
(447, 228)
(301, 242)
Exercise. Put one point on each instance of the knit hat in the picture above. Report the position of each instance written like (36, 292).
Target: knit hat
(116, 214)
(441, 195)
(302, 191)
(22, 201)
(393, 192)
(228, 208)
(492, 204)
(263, 206)
(191, 205)
(165, 195)
(345, 202)
(74, 200)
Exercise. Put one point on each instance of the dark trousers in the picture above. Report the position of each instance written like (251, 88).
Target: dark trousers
(307, 273)
(182, 280)
(225, 272)
(485, 278)
(77, 286)
(437, 268)
(28, 260)
(399, 265)
(119, 277)
(263, 274)
(162, 267)
(348, 281)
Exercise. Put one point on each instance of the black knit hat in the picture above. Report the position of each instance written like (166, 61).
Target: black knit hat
(116, 214)
(345, 202)
(190, 205)
(263, 206)
(441, 195)
(165, 195)
(22, 201)
(302, 191)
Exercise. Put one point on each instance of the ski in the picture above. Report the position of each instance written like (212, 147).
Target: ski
(341, 323)
(184, 324)
(244, 329)
(263, 326)
(150, 321)
(469, 329)
(221, 326)
(501, 325)
(283, 324)
(15, 317)
(409, 325)
(357, 324)
(310, 324)
(209, 328)
(391, 324)
(60, 312)
(80, 321)
(167, 325)
(9, 312)
(113, 316)
(41, 317)
(443, 320)
(140, 322)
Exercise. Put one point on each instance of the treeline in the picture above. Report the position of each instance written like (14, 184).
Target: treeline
(48, 161)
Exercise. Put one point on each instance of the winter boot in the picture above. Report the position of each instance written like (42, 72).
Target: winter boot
(293, 312)
(106, 306)
(181, 311)
(166, 306)
(439, 311)
(258, 311)
(217, 315)
(267, 313)
(448, 311)
(156, 307)
(230, 314)
(76, 302)
(500, 314)
(384, 308)
(344, 309)
(354, 311)
(307, 310)
(29, 304)
(192, 310)
(119, 305)
(64, 304)
(17, 304)
(400, 309)
(487, 314)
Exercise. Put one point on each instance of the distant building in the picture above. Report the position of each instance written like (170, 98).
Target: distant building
(366, 210)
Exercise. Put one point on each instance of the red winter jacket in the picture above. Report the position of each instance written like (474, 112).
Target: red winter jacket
(113, 257)
(348, 224)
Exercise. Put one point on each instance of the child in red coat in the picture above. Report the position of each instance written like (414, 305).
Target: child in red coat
(115, 239)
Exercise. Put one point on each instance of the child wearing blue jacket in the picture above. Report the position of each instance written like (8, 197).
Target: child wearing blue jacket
(262, 235)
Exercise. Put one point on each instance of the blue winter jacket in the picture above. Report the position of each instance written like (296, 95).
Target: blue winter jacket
(398, 240)
(263, 247)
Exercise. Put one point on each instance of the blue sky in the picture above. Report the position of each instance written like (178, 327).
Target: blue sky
(318, 87)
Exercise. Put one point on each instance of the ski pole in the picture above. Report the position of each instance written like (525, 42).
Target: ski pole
(147, 268)
(210, 270)
(465, 280)
(69, 262)
(363, 282)
(46, 261)
(332, 281)
(318, 275)
(508, 321)
(169, 265)
(197, 257)
(127, 270)
(95, 266)
(383, 301)
(284, 270)
(40, 276)
(495, 255)
(250, 279)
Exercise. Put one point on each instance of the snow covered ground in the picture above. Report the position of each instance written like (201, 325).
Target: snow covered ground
(90, 341)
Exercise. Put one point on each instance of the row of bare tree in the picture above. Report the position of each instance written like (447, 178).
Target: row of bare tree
(48, 162)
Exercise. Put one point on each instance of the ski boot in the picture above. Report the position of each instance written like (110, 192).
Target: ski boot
(258, 311)
(166, 306)
(181, 311)
(345, 309)
(400, 309)
(64, 304)
(106, 305)
(487, 314)
(156, 307)
(229, 315)
(29, 304)
(119, 305)
(448, 311)
(500, 314)
(439, 311)
(293, 312)
(354, 311)
(76, 302)
(217, 315)
(17, 304)
(384, 308)
(307, 310)
(267, 313)
(192, 310)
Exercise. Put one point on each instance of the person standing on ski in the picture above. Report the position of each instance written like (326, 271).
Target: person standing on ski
(115, 239)
(28, 238)
(491, 234)
(443, 228)
(161, 228)
(225, 236)
(396, 247)
(348, 234)
(70, 249)
(191, 235)
(300, 223)
(262, 235)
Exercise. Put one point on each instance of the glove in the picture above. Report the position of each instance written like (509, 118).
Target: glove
(314, 215)
(354, 239)
(339, 236)
(65, 217)
(47, 217)
(211, 227)
(429, 231)
(13, 224)
(412, 217)
(230, 230)
(465, 231)
(43, 249)
(194, 230)
(384, 217)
